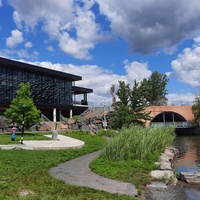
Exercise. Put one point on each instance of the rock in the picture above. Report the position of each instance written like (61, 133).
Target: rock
(191, 178)
(159, 174)
(164, 158)
(158, 185)
(165, 166)
(171, 153)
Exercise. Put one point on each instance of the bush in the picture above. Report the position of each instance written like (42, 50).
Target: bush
(138, 143)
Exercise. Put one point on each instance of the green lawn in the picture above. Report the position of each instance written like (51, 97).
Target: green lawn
(24, 174)
(5, 138)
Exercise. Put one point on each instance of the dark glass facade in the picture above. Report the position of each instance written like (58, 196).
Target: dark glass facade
(50, 89)
(46, 91)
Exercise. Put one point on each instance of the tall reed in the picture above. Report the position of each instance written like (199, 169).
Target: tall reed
(138, 143)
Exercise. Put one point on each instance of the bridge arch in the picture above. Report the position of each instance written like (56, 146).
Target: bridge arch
(168, 116)
(182, 114)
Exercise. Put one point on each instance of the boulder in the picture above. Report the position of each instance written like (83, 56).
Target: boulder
(157, 185)
(192, 178)
(159, 174)
(165, 165)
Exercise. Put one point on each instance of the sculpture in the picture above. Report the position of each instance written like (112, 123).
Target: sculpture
(112, 92)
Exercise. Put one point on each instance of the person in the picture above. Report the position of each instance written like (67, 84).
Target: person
(13, 131)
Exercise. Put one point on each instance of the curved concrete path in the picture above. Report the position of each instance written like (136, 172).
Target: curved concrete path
(62, 142)
(77, 172)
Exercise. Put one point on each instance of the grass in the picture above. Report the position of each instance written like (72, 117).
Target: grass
(138, 143)
(5, 138)
(134, 171)
(131, 155)
(24, 174)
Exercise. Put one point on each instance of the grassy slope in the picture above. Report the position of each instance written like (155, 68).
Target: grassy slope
(25, 174)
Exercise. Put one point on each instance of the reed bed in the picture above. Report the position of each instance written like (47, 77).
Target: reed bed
(139, 143)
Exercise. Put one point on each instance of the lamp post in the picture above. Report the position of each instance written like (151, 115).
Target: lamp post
(23, 113)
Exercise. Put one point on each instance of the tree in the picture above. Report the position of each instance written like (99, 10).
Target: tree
(14, 114)
(196, 109)
(154, 88)
(138, 103)
(122, 114)
(130, 107)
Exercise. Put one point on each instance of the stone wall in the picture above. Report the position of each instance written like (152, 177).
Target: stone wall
(165, 164)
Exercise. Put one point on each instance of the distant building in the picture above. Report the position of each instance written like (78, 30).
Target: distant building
(53, 92)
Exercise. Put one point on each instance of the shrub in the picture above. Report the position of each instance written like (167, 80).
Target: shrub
(138, 143)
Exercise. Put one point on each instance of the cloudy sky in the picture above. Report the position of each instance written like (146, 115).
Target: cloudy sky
(107, 41)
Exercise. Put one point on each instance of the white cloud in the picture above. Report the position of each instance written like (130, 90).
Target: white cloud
(152, 25)
(98, 79)
(28, 45)
(144, 24)
(101, 80)
(36, 53)
(15, 38)
(50, 48)
(181, 98)
(87, 34)
(187, 66)
(71, 24)
(136, 71)
(47, 11)
(1, 4)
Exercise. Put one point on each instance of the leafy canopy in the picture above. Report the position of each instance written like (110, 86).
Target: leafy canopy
(196, 109)
(23, 104)
(154, 88)
(130, 109)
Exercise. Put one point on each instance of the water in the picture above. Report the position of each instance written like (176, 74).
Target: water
(189, 161)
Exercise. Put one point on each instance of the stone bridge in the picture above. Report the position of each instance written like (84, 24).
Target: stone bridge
(181, 115)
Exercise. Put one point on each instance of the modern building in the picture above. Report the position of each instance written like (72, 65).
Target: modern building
(53, 92)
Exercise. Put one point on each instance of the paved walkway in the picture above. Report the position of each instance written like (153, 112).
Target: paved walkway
(77, 172)
(62, 142)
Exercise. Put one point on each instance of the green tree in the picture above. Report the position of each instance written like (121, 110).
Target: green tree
(21, 105)
(138, 103)
(196, 109)
(154, 88)
(130, 107)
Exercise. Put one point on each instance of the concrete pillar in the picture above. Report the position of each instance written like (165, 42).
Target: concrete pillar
(173, 117)
(54, 114)
(164, 117)
(85, 97)
(59, 115)
(70, 113)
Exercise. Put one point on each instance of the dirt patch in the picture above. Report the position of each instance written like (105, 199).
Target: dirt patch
(25, 193)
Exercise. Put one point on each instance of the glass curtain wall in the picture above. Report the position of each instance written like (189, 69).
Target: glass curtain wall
(46, 91)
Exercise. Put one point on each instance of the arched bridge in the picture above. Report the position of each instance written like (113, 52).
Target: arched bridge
(180, 116)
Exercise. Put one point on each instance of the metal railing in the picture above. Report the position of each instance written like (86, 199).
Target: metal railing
(80, 103)
(88, 110)
(92, 127)
(47, 121)
(65, 121)
(176, 124)
(171, 103)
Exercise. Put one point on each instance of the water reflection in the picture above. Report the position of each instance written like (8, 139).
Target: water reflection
(188, 161)
(189, 154)
(192, 194)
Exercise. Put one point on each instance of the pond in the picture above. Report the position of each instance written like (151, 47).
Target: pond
(189, 161)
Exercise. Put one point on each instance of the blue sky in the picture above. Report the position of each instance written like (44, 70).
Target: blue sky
(107, 41)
